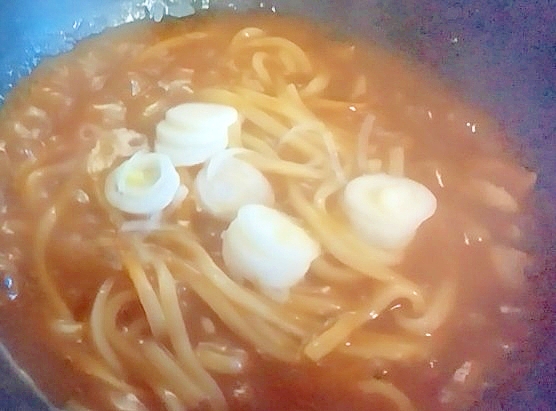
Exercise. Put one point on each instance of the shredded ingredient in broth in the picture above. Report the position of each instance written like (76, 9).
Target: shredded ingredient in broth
(366, 266)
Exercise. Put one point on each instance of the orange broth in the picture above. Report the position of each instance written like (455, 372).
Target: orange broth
(447, 144)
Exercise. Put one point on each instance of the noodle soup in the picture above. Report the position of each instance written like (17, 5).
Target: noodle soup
(244, 213)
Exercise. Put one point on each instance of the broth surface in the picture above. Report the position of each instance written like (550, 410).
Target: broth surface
(478, 242)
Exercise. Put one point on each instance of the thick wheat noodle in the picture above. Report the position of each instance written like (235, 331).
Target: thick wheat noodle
(116, 304)
(180, 338)
(128, 352)
(334, 274)
(396, 161)
(40, 174)
(233, 315)
(98, 332)
(334, 156)
(388, 390)
(95, 367)
(258, 66)
(258, 144)
(296, 138)
(360, 87)
(22, 172)
(124, 343)
(323, 134)
(230, 315)
(278, 105)
(316, 86)
(170, 400)
(343, 244)
(139, 327)
(174, 376)
(234, 135)
(291, 97)
(244, 35)
(219, 361)
(257, 116)
(113, 306)
(326, 342)
(289, 347)
(265, 122)
(374, 165)
(492, 195)
(281, 167)
(251, 83)
(222, 96)
(166, 45)
(363, 139)
(288, 62)
(297, 54)
(436, 312)
(70, 329)
(138, 364)
(304, 137)
(240, 295)
(324, 191)
(349, 321)
(45, 226)
(321, 305)
(292, 323)
(333, 137)
(147, 295)
(367, 344)
(153, 376)
(441, 301)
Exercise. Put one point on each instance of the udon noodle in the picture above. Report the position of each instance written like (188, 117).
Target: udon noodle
(145, 308)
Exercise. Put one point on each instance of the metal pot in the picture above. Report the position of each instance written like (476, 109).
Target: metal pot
(500, 55)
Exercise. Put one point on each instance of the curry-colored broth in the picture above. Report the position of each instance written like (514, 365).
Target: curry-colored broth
(446, 144)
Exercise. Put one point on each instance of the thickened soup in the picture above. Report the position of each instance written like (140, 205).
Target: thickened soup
(244, 212)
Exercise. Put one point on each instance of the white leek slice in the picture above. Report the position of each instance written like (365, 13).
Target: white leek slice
(168, 133)
(145, 183)
(201, 115)
(191, 133)
(385, 210)
(266, 247)
(189, 156)
(226, 183)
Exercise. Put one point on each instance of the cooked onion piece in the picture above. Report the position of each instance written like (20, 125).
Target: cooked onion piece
(266, 247)
(145, 183)
(112, 145)
(191, 133)
(226, 183)
(386, 210)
